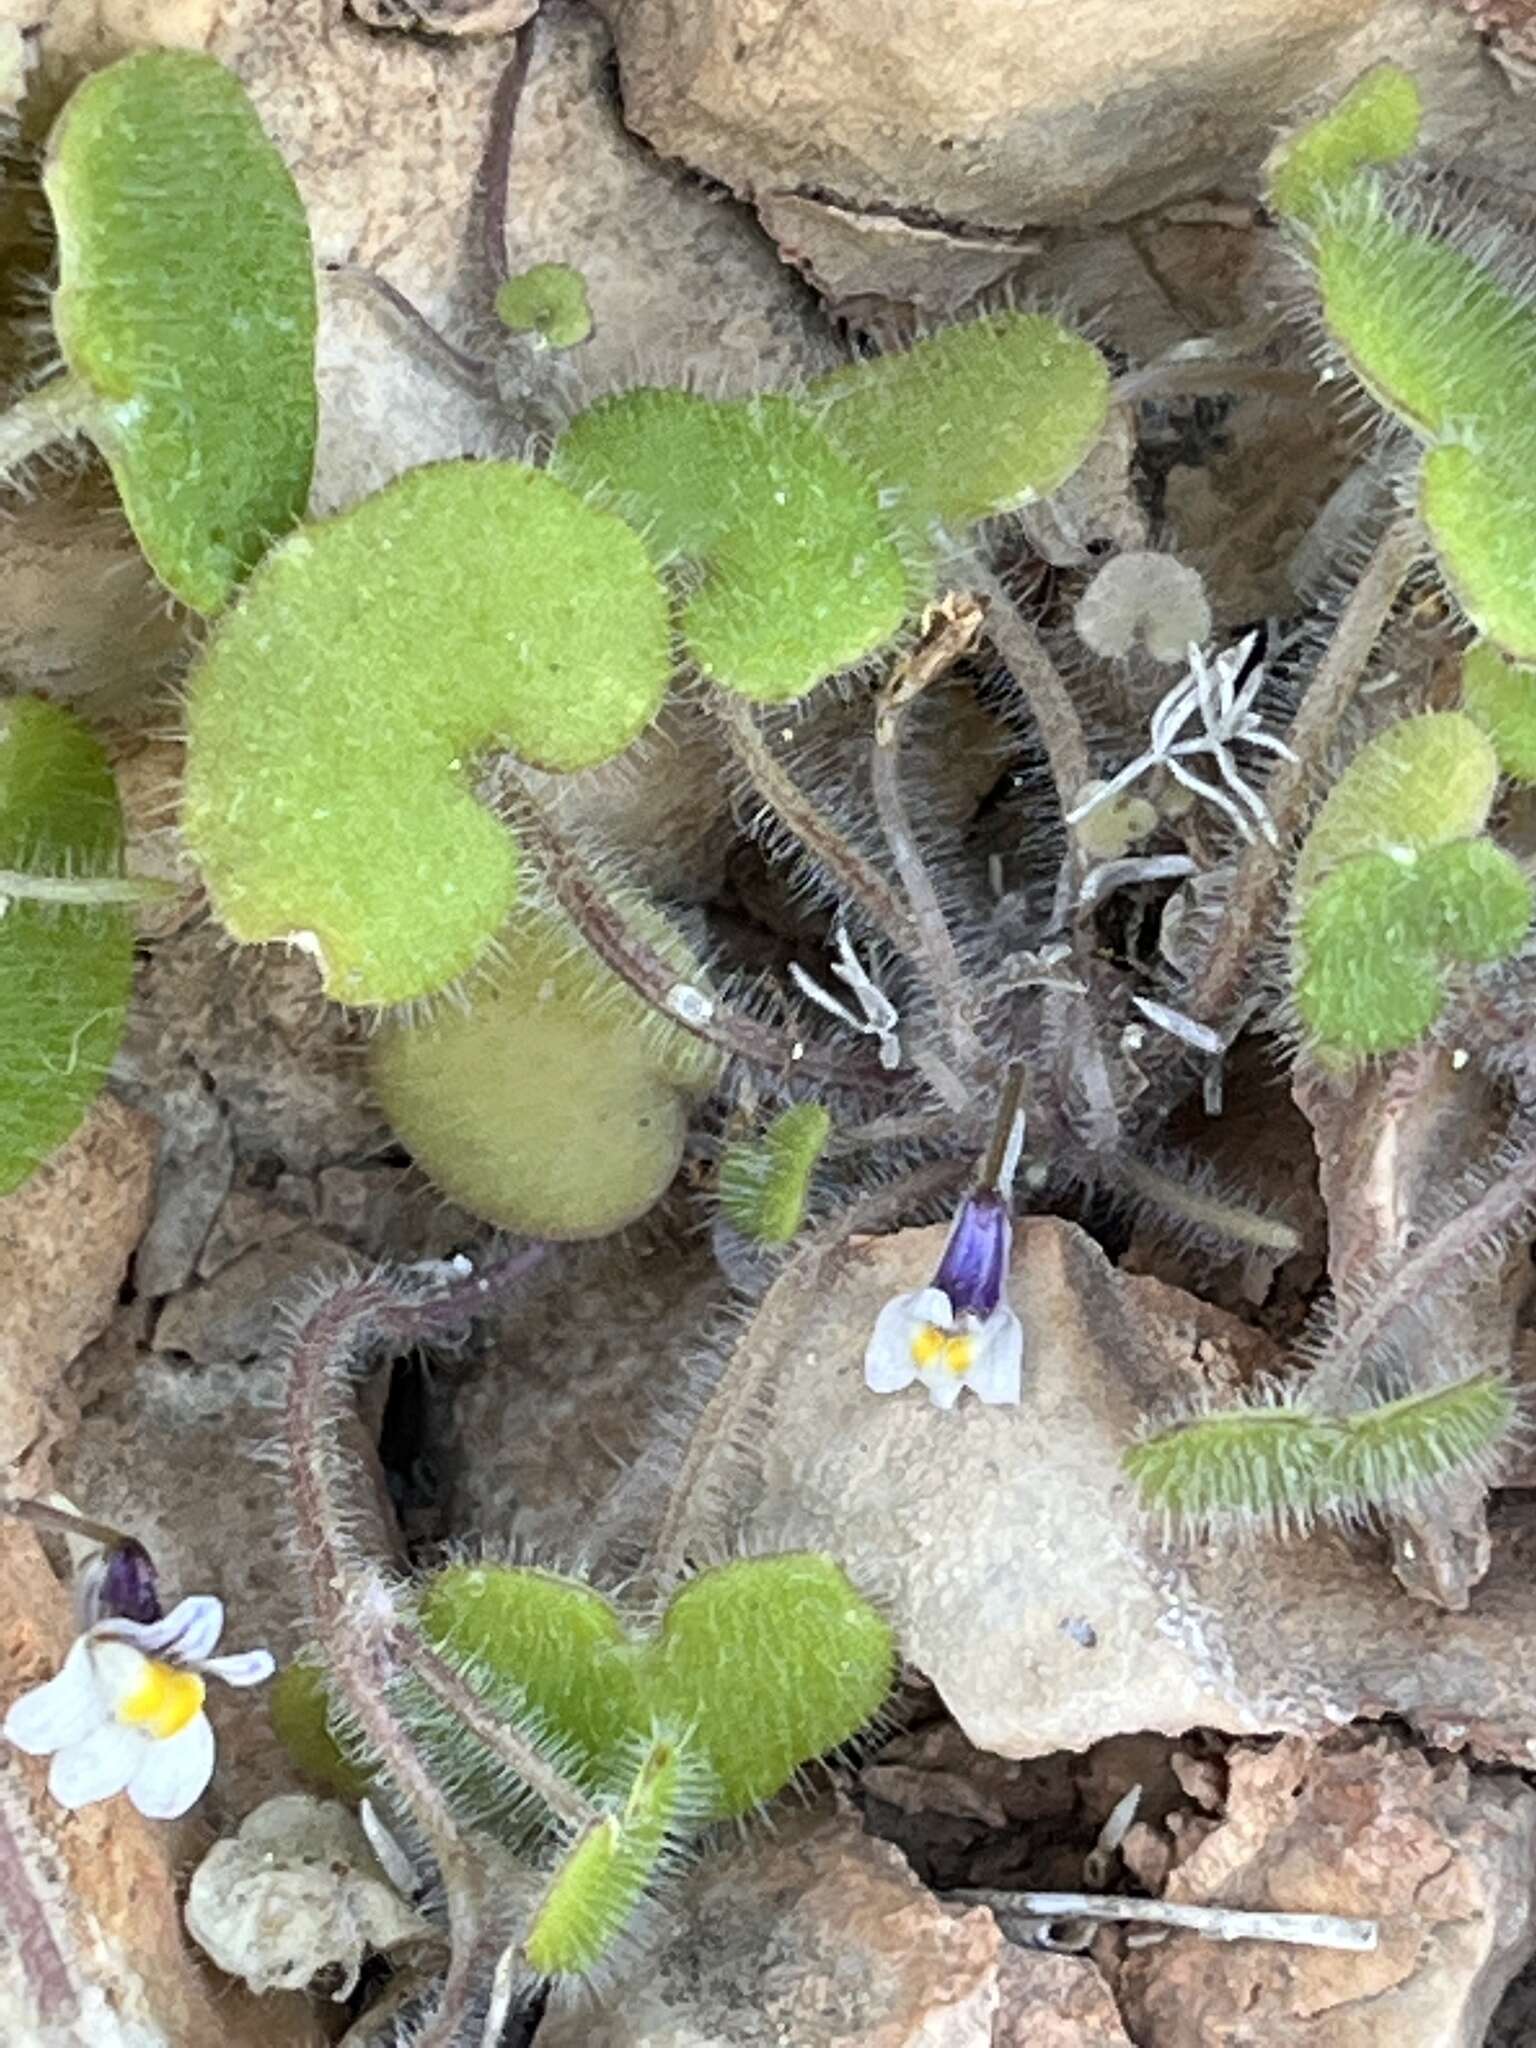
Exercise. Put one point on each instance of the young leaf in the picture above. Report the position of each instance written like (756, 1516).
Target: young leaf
(551, 1100)
(337, 717)
(973, 420)
(801, 571)
(765, 1182)
(1376, 122)
(550, 300)
(1392, 884)
(66, 970)
(1366, 979)
(1421, 783)
(1273, 1465)
(1474, 901)
(605, 1874)
(185, 312)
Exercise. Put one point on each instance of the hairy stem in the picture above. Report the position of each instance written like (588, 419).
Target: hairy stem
(922, 1127)
(500, 1738)
(369, 1648)
(844, 865)
(55, 412)
(942, 970)
(1049, 700)
(1227, 1219)
(1247, 912)
(626, 952)
(735, 1401)
(473, 369)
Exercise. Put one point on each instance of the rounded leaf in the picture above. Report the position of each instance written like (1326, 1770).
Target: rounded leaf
(1421, 783)
(549, 300)
(338, 717)
(1366, 977)
(1430, 332)
(186, 307)
(551, 1100)
(1480, 509)
(66, 970)
(1474, 901)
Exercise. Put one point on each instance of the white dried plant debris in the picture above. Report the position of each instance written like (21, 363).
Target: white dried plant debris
(1217, 697)
(876, 1016)
(296, 1893)
(1144, 596)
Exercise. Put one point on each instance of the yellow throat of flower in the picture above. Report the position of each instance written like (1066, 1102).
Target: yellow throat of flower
(933, 1346)
(159, 1700)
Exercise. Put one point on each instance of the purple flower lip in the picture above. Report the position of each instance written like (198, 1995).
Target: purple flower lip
(974, 1269)
(130, 1588)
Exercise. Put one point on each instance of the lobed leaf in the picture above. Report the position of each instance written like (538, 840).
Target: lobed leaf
(770, 1662)
(337, 718)
(799, 571)
(550, 1099)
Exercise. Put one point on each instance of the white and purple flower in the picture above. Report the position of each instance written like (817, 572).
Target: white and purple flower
(959, 1332)
(125, 1711)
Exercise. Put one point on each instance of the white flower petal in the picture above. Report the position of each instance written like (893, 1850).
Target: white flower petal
(173, 1775)
(943, 1385)
(997, 1375)
(97, 1767)
(244, 1667)
(888, 1365)
(63, 1711)
(189, 1634)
